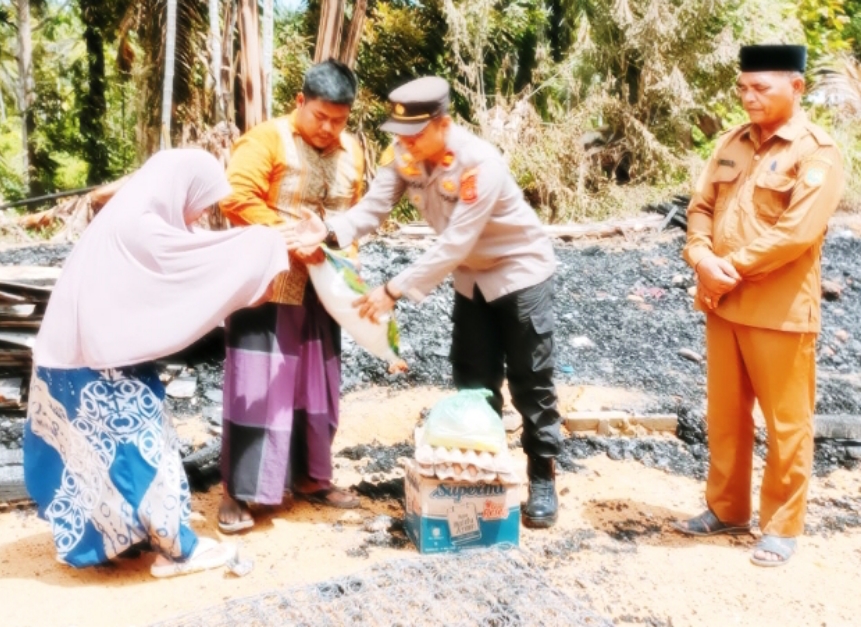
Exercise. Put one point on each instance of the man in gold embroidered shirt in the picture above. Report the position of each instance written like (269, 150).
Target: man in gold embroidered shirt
(755, 230)
(282, 372)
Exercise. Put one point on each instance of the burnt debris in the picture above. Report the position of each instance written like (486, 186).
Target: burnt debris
(624, 319)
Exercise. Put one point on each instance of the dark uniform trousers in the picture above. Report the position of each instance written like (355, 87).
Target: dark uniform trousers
(512, 334)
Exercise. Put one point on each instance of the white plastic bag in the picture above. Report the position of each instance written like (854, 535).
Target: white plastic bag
(465, 421)
(338, 285)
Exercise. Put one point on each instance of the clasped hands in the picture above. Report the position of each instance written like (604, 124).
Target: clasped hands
(303, 240)
(715, 277)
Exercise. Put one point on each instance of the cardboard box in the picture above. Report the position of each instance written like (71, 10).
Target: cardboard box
(452, 515)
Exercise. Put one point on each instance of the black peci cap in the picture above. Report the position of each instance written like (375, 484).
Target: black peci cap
(415, 104)
(773, 58)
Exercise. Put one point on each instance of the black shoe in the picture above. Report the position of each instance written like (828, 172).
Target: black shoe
(542, 507)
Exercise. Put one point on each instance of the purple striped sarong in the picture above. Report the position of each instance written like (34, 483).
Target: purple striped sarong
(282, 381)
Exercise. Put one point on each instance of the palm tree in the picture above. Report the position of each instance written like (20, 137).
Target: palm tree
(268, 20)
(837, 83)
(25, 84)
(215, 58)
(166, 102)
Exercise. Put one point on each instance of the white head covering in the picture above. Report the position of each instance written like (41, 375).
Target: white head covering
(140, 284)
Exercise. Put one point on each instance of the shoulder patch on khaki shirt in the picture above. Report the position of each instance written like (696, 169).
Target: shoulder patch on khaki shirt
(815, 176)
(468, 191)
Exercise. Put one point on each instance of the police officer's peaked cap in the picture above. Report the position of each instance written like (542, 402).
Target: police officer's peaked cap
(773, 58)
(415, 104)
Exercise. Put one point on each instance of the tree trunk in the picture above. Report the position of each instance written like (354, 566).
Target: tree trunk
(351, 49)
(227, 66)
(215, 60)
(250, 68)
(94, 107)
(167, 86)
(268, 21)
(329, 32)
(25, 85)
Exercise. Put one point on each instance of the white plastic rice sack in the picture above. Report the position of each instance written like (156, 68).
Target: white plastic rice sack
(338, 285)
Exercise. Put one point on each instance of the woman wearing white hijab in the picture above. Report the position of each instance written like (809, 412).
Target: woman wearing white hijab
(101, 458)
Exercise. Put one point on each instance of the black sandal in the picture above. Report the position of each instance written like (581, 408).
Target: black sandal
(707, 524)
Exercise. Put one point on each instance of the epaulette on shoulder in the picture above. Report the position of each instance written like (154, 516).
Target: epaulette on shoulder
(735, 131)
(730, 134)
(822, 138)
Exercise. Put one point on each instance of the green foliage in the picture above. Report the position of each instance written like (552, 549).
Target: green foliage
(595, 103)
(852, 30)
(824, 22)
(400, 41)
(11, 179)
(291, 57)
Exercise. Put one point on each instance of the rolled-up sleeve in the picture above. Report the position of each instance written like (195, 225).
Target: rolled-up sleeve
(252, 166)
(814, 200)
(455, 243)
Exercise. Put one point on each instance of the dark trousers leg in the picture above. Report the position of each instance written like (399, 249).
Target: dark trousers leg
(477, 357)
(526, 320)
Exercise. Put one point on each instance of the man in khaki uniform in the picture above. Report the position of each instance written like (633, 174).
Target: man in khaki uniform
(490, 239)
(756, 225)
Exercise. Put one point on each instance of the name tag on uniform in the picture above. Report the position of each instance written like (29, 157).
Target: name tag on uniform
(727, 162)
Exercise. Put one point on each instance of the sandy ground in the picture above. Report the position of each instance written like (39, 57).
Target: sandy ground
(654, 577)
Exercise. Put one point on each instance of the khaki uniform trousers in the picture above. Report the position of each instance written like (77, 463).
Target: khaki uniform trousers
(778, 369)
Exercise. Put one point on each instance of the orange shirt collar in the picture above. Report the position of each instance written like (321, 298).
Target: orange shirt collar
(790, 131)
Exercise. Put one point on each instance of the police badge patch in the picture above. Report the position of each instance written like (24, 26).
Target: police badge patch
(468, 191)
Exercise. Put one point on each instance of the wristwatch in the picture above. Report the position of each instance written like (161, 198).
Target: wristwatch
(331, 239)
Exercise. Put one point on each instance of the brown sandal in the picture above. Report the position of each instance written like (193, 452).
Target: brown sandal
(333, 497)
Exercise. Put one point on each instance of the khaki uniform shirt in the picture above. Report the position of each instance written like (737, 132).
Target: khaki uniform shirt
(764, 206)
(488, 235)
(274, 174)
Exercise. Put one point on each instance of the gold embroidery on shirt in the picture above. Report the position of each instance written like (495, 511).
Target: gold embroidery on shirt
(321, 182)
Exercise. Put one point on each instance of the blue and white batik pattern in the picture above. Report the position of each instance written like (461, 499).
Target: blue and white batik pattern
(102, 462)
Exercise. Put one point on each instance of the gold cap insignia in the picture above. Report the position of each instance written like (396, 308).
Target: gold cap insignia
(399, 109)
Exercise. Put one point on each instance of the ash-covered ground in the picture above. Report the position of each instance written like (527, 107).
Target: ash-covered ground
(624, 319)
(632, 303)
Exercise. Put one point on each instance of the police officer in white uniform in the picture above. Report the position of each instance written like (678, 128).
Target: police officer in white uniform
(493, 243)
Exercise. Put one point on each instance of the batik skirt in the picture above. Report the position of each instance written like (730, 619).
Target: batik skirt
(102, 462)
(282, 381)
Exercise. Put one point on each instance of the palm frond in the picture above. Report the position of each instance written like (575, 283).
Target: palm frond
(837, 84)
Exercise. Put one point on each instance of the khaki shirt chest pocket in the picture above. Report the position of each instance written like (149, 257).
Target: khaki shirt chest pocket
(724, 181)
(771, 195)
